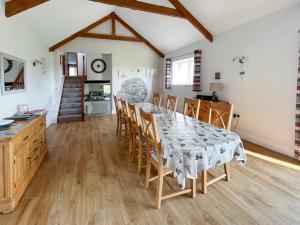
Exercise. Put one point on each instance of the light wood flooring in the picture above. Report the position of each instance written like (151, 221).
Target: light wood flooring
(88, 178)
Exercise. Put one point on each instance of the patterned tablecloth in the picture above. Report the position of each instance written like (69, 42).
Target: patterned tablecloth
(190, 145)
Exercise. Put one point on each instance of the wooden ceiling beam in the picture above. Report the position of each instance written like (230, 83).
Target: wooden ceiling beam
(143, 6)
(192, 19)
(111, 37)
(113, 24)
(133, 31)
(85, 33)
(14, 7)
(77, 34)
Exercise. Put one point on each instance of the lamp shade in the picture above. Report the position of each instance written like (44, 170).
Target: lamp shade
(215, 87)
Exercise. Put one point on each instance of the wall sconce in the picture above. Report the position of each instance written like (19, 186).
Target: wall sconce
(241, 60)
(37, 62)
(40, 62)
(150, 73)
(121, 75)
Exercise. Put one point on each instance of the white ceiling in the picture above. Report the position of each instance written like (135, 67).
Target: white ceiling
(57, 19)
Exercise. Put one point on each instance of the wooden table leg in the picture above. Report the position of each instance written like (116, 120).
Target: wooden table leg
(227, 171)
(204, 181)
(193, 187)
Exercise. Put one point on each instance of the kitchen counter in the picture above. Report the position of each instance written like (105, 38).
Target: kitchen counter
(97, 99)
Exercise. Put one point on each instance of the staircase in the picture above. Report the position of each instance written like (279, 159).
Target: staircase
(72, 100)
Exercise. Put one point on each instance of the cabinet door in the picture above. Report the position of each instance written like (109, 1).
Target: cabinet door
(2, 171)
(21, 166)
(42, 140)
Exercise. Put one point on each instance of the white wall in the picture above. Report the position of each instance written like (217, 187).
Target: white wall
(266, 97)
(126, 57)
(18, 41)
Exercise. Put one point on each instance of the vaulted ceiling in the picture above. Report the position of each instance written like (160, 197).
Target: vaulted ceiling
(55, 20)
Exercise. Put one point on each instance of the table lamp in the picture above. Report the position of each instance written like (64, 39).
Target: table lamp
(215, 87)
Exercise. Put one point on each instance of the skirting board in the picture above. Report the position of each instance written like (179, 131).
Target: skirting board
(289, 151)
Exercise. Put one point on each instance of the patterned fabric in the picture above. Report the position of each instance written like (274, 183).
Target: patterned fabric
(297, 124)
(197, 71)
(190, 145)
(168, 74)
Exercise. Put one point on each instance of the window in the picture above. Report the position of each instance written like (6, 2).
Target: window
(73, 70)
(183, 71)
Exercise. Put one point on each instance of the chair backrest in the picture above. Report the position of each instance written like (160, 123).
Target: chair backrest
(204, 110)
(133, 112)
(125, 110)
(150, 130)
(191, 107)
(157, 99)
(220, 114)
(172, 103)
(117, 104)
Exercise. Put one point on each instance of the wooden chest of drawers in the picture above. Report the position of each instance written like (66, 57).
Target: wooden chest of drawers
(20, 157)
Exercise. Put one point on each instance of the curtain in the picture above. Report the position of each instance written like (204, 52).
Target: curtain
(197, 71)
(297, 124)
(168, 73)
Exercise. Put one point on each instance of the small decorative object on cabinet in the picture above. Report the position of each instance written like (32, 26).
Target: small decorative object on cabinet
(21, 153)
(215, 87)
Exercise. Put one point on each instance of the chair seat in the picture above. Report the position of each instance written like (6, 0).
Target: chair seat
(154, 157)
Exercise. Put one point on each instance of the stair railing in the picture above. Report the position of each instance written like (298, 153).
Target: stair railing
(82, 98)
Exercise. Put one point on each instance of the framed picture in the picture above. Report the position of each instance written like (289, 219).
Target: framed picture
(13, 74)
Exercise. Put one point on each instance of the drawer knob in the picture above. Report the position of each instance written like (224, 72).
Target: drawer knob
(24, 139)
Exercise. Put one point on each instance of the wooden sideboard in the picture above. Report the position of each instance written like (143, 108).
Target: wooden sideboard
(20, 157)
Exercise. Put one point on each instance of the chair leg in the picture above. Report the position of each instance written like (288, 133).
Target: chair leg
(227, 171)
(130, 144)
(140, 158)
(148, 171)
(159, 188)
(133, 147)
(204, 181)
(118, 127)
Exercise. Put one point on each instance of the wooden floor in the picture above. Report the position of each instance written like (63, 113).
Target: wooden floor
(88, 178)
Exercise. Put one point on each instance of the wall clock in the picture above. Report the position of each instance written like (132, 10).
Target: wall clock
(98, 65)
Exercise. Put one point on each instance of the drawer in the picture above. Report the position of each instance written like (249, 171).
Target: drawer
(34, 159)
(35, 139)
(34, 149)
(23, 139)
(40, 124)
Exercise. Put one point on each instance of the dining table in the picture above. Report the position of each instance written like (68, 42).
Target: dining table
(190, 145)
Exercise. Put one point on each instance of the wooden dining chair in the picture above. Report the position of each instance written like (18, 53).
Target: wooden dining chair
(172, 103)
(155, 159)
(157, 99)
(220, 115)
(191, 107)
(139, 145)
(120, 118)
(125, 112)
